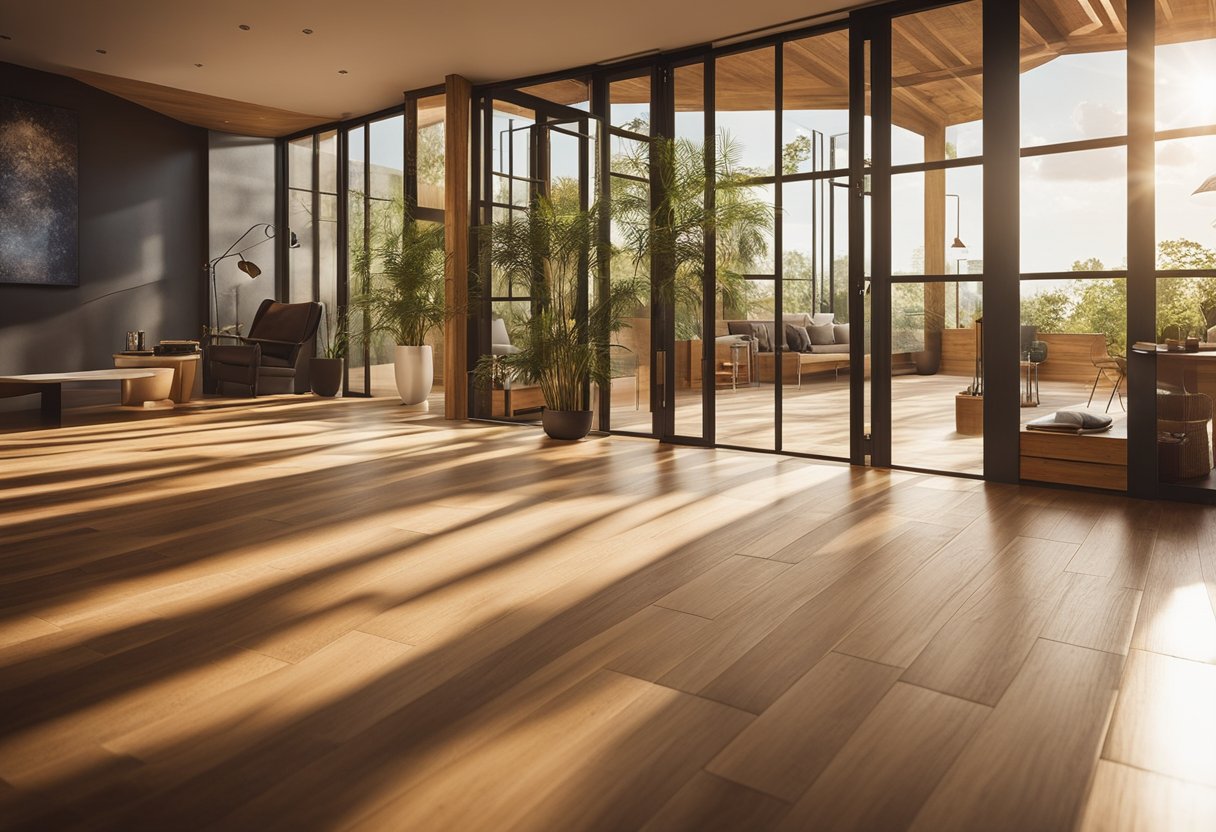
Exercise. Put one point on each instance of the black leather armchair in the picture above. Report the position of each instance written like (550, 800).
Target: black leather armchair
(273, 358)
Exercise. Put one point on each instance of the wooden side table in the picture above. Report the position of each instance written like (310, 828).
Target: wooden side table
(185, 371)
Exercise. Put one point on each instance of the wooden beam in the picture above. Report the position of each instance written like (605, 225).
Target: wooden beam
(456, 223)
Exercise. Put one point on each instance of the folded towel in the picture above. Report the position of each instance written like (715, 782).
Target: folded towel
(1071, 421)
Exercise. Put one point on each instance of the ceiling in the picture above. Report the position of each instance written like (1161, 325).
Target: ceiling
(385, 47)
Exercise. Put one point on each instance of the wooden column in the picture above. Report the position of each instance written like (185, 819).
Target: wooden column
(456, 222)
(935, 239)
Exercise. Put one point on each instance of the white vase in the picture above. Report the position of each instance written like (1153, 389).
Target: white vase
(415, 371)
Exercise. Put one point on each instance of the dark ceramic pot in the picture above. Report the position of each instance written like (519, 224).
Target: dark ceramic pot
(325, 375)
(927, 363)
(566, 424)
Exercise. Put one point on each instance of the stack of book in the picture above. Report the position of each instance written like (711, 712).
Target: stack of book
(176, 348)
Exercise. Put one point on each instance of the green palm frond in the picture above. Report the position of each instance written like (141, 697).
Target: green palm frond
(561, 347)
(404, 298)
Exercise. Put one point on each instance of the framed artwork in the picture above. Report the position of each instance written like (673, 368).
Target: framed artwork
(39, 196)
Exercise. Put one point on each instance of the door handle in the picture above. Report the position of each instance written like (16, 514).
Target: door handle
(660, 374)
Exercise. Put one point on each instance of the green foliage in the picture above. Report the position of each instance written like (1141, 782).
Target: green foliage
(793, 154)
(676, 230)
(1089, 264)
(560, 347)
(1049, 311)
(1185, 303)
(335, 334)
(404, 298)
(1184, 254)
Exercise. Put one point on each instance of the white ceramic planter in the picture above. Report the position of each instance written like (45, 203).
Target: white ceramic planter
(415, 372)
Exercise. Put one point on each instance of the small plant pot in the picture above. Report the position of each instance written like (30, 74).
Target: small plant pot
(566, 424)
(325, 375)
(927, 362)
(414, 372)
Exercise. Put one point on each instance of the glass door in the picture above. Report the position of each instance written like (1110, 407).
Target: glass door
(927, 388)
(535, 148)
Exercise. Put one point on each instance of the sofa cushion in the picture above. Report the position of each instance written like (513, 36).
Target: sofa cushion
(797, 318)
(821, 335)
(841, 332)
(796, 338)
(830, 349)
(821, 318)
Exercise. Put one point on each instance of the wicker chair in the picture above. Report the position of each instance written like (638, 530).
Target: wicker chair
(1182, 427)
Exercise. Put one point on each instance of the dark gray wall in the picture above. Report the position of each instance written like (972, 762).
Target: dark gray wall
(143, 219)
(240, 176)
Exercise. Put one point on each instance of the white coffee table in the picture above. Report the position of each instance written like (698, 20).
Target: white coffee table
(185, 371)
(50, 385)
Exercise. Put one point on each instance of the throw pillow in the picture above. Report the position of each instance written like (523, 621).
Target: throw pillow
(821, 318)
(796, 338)
(821, 336)
(841, 333)
(764, 341)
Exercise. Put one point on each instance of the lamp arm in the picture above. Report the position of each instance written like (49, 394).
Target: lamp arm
(265, 226)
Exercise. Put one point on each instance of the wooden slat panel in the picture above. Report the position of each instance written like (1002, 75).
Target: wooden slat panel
(1086, 474)
(1094, 447)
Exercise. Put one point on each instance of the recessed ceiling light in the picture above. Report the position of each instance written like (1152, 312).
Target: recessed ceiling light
(101, 51)
(244, 27)
(307, 31)
(199, 66)
(342, 72)
(6, 37)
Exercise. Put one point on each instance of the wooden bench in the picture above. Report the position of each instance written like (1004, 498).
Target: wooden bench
(50, 386)
(1093, 460)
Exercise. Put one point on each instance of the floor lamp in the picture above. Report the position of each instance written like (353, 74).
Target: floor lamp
(247, 266)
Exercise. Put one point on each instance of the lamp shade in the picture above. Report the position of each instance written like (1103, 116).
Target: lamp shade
(292, 240)
(1208, 186)
(958, 243)
(249, 267)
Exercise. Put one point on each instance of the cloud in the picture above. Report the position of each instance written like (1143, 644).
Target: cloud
(1098, 120)
(1085, 166)
(1175, 154)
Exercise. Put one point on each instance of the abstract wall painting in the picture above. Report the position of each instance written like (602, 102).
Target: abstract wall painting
(39, 196)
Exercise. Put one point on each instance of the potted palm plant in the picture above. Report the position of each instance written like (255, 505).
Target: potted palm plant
(564, 345)
(404, 300)
(325, 371)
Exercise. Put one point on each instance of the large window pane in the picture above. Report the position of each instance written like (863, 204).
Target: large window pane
(430, 161)
(815, 102)
(1074, 211)
(940, 222)
(937, 100)
(746, 111)
(935, 371)
(692, 345)
(1074, 79)
(1185, 65)
(1186, 220)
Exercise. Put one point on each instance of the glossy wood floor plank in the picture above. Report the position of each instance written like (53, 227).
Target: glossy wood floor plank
(1057, 709)
(980, 650)
(291, 613)
(1165, 720)
(889, 767)
(784, 750)
(1126, 799)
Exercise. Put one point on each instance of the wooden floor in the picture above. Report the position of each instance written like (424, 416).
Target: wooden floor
(815, 417)
(302, 614)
